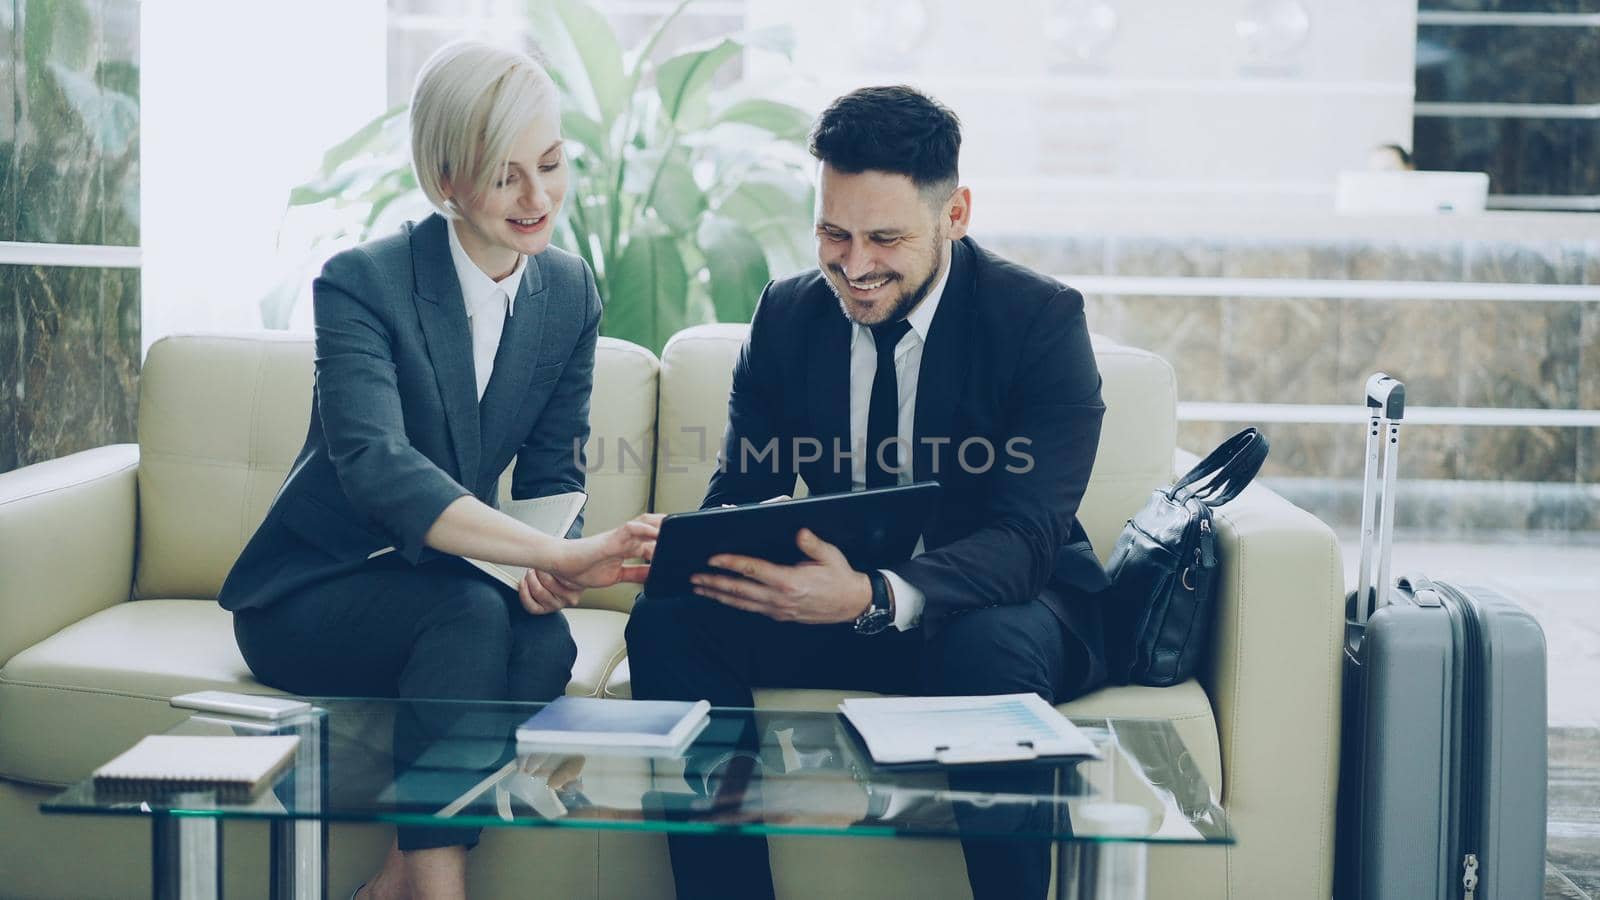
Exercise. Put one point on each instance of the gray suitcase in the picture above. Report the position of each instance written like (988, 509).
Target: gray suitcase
(1442, 775)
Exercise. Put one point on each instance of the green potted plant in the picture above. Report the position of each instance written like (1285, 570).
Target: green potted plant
(685, 198)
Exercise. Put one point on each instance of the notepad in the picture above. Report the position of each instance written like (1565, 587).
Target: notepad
(552, 515)
(590, 722)
(235, 767)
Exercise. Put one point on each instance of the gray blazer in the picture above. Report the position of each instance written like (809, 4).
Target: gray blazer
(397, 431)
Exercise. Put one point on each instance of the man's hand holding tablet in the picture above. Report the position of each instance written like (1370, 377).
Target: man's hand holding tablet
(820, 591)
(792, 560)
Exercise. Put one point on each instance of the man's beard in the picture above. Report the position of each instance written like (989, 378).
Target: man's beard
(907, 302)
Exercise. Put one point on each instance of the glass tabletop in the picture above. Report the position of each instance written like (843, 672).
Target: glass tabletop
(749, 771)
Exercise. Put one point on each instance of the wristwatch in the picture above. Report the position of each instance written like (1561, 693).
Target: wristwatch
(877, 616)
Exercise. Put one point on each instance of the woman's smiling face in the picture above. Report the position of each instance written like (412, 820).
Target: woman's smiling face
(515, 215)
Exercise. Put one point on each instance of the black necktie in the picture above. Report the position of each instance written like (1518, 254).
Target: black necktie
(883, 411)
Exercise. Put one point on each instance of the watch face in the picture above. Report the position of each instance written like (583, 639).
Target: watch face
(873, 621)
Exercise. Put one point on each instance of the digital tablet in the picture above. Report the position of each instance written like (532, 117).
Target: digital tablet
(875, 529)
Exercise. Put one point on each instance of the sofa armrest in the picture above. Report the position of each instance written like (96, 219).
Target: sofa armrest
(1274, 678)
(67, 531)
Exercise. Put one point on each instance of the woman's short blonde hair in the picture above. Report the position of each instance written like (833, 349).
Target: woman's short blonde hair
(472, 99)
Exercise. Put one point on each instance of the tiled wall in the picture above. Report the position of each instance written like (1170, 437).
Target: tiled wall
(1450, 353)
(69, 156)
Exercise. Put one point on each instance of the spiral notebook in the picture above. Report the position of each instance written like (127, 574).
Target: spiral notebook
(235, 767)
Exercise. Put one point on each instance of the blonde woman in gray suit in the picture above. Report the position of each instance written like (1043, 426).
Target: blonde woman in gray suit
(442, 354)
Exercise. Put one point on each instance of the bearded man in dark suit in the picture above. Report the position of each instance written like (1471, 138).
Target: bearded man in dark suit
(911, 353)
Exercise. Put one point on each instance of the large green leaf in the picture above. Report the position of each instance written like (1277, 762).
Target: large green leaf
(676, 199)
(583, 54)
(647, 291)
(684, 83)
(579, 128)
(365, 138)
(638, 59)
(567, 239)
(774, 38)
(789, 249)
(395, 186)
(325, 187)
(737, 265)
(634, 208)
(765, 198)
(601, 54)
(784, 121)
(560, 55)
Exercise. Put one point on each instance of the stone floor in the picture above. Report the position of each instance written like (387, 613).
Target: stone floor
(1558, 579)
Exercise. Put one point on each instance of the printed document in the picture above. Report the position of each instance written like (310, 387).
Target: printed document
(993, 728)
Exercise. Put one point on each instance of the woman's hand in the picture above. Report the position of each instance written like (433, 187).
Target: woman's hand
(542, 592)
(602, 560)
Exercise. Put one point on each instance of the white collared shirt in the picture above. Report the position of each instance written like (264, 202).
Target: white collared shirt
(489, 304)
(908, 600)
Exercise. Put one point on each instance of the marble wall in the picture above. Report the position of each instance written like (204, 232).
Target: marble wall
(1450, 353)
(69, 156)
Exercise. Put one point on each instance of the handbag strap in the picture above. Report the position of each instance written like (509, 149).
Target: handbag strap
(1226, 470)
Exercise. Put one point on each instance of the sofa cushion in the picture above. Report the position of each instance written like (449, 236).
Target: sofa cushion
(621, 455)
(601, 648)
(696, 375)
(222, 416)
(1185, 705)
(1137, 439)
(97, 686)
(1137, 436)
(220, 419)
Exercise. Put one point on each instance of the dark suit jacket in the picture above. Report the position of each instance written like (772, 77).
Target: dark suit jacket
(1007, 359)
(397, 431)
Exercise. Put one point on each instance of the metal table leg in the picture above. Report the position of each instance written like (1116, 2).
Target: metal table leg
(185, 857)
(299, 860)
(299, 847)
(1103, 870)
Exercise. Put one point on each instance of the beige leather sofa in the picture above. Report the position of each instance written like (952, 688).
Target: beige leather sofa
(110, 558)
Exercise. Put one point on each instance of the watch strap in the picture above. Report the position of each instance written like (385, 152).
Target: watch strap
(880, 590)
(875, 617)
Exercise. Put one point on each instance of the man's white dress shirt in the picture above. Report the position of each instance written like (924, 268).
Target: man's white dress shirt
(489, 303)
(907, 367)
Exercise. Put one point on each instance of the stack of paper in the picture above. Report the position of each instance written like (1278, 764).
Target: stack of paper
(993, 728)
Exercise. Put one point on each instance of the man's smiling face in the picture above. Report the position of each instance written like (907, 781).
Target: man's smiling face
(881, 243)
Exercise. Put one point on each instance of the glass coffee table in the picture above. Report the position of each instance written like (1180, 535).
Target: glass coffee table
(767, 772)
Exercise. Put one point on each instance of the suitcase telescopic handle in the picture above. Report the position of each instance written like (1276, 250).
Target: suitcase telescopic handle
(1386, 406)
(1386, 397)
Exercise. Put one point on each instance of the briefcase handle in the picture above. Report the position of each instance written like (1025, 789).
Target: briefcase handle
(1225, 471)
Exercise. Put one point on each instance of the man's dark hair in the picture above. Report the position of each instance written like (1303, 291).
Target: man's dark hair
(891, 129)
